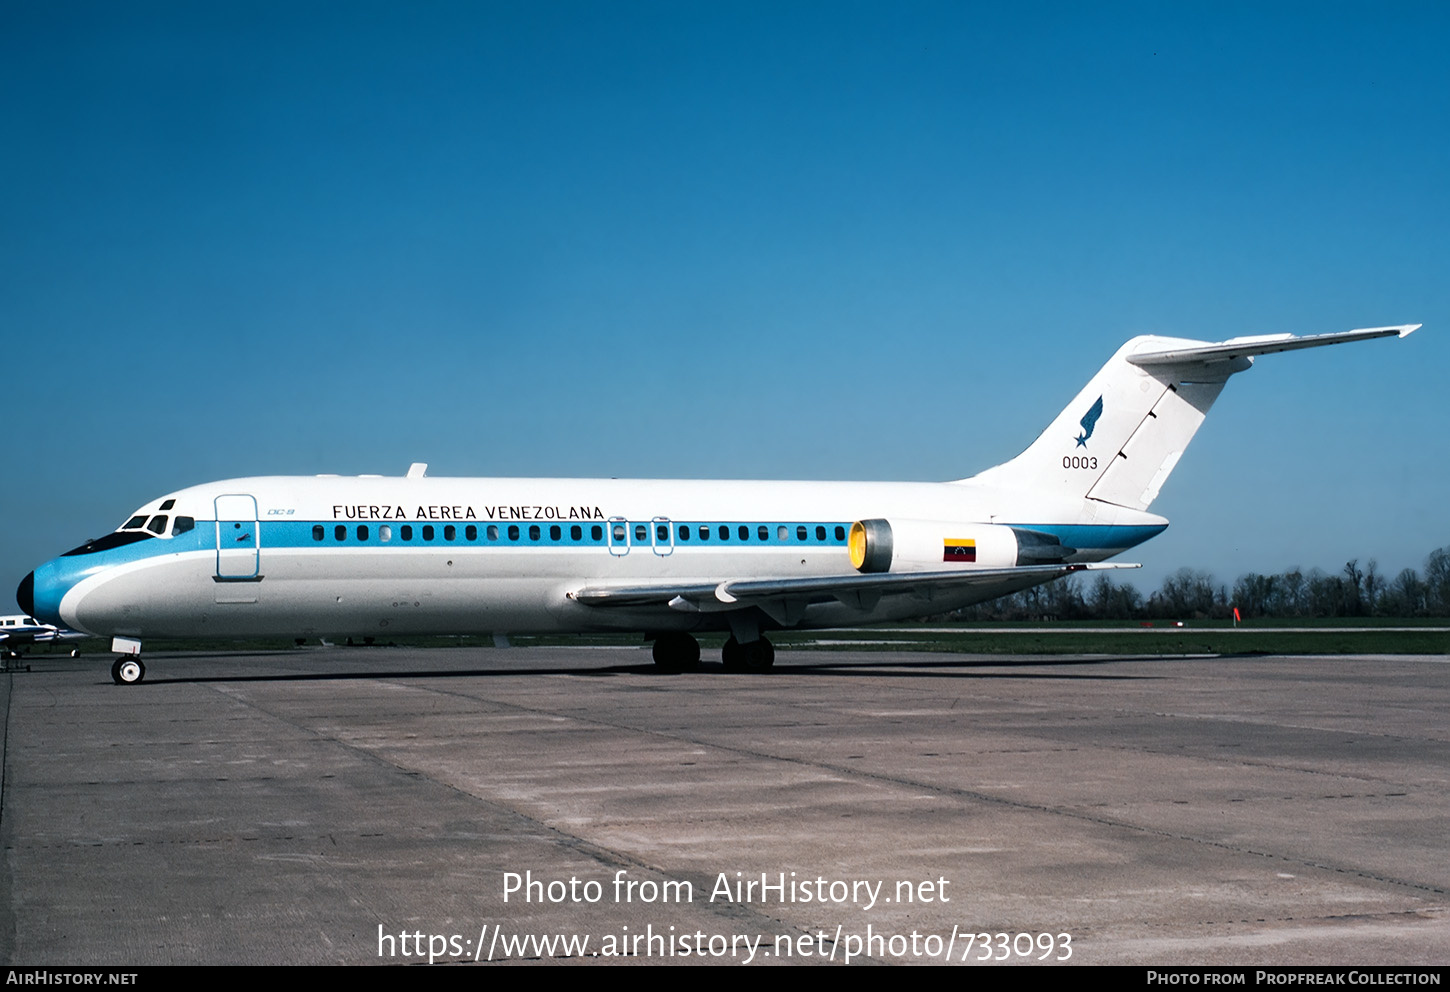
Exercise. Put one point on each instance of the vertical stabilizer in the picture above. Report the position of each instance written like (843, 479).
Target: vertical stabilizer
(1119, 439)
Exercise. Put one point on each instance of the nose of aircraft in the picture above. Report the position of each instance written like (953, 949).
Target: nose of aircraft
(25, 595)
(47, 609)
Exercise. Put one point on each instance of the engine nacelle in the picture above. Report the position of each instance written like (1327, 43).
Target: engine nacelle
(879, 545)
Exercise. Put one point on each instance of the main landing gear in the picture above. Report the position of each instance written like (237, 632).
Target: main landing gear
(127, 671)
(677, 652)
(755, 656)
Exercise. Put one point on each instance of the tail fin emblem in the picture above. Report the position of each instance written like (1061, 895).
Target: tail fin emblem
(1089, 422)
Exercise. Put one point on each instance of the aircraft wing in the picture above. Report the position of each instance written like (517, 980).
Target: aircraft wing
(786, 599)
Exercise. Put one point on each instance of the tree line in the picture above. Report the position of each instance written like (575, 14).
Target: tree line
(1355, 591)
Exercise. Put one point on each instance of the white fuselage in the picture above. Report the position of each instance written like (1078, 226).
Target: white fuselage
(380, 556)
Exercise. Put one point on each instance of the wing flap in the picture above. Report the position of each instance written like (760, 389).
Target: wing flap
(788, 597)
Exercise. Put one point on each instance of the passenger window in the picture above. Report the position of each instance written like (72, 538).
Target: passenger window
(684, 533)
(640, 534)
(471, 532)
(800, 533)
(317, 531)
(385, 532)
(449, 532)
(555, 532)
(513, 532)
(744, 533)
(596, 532)
(427, 532)
(407, 531)
(576, 532)
(533, 532)
(362, 532)
(704, 532)
(619, 532)
(184, 524)
(763, 533)
(493, 532)
(340, 532)
(662, 532)
(820, 533)
(157, 525)
(840, 533)
(724, 533)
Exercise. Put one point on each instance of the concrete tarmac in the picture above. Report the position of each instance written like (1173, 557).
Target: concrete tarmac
(387, 805)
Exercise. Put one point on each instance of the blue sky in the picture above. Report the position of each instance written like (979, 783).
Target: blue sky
(687, 239)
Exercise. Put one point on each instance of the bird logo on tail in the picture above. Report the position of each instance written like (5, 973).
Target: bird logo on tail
(1089, 421)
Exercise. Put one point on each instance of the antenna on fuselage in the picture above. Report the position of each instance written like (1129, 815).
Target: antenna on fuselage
(417, 470)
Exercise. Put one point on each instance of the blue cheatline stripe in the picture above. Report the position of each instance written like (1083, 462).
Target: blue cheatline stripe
(300, 534)
(57, 576)
(593, 534)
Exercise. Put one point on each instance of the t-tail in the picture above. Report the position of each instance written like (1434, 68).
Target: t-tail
(1119, 440)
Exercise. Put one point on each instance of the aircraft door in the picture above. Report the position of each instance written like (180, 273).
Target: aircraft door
(238, 541)
(618, 536)
(662, 537)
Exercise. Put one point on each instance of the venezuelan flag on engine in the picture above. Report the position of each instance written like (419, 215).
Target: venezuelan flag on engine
(959, 550)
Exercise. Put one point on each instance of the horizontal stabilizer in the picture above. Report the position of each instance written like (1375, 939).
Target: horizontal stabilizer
(1265, 344)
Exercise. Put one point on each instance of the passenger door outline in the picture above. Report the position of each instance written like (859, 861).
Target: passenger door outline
(238, 538)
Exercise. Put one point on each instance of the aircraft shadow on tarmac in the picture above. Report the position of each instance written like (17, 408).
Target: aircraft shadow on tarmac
(886, 667)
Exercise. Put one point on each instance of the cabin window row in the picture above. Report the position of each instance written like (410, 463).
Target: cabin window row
(449, 532)
(619, 532)
(723, 532)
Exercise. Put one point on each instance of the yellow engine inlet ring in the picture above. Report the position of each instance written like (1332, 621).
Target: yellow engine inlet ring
(870, 545)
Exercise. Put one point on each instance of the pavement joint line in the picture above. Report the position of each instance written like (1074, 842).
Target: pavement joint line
(982, 797)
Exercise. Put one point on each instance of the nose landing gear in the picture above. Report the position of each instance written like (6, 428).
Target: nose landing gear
(127, 671)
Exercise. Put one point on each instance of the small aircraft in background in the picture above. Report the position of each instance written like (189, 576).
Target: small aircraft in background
(19, 631)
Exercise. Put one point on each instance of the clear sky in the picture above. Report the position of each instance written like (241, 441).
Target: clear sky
(740, 240)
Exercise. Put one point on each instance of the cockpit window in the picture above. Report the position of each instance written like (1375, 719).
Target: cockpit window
(157, 523)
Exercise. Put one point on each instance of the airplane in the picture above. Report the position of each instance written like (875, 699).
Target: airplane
(367, 556)
(18, 631)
